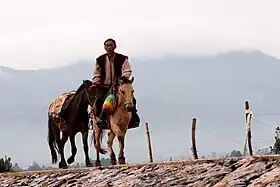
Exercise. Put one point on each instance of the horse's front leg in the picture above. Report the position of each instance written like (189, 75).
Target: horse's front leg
(97, 135)
(111, 136)
(121, 157)
(71, 159)
(85, 142)
(62, 163)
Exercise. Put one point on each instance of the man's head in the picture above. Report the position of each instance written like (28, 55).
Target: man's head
(110, 46)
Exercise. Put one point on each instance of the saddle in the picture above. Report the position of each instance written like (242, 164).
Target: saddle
(58, 108)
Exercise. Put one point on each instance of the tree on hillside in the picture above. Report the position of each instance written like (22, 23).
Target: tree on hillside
(5, 164)
(276, 147)
(265, 151)
(16, 167)
(34, 167)
(47, 168)
(235, 153)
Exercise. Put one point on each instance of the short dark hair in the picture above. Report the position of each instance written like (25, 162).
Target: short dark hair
(112, 40)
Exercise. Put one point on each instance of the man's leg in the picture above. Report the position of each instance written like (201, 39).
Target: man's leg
(99, 102)
(100, 113)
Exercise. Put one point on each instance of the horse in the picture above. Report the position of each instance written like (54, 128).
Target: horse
(118, 123)
(76, 118)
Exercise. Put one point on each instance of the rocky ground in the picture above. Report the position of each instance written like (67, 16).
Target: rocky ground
(231, 172)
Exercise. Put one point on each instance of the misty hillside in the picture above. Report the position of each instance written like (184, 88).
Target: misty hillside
(169, 90)
(186, 85)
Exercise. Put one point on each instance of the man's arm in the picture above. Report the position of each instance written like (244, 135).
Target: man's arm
(126, 69)
(96, 75)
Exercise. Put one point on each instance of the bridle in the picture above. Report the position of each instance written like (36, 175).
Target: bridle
(122, 100)
(91, 105)
(88, 97)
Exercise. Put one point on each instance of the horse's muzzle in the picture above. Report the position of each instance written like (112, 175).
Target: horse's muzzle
(129, 107)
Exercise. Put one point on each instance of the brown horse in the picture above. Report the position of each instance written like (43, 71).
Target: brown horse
(118, 123)
(76, 119)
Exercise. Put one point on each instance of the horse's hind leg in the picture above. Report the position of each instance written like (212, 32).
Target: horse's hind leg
(71, 159)
(85, 142)
(62, 163)
(111, 136)
(121, 157)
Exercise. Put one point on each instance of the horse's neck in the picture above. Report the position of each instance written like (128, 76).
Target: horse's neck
(79, 102)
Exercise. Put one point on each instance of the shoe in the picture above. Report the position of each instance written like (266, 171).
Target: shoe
(135, 121)
(102, 124)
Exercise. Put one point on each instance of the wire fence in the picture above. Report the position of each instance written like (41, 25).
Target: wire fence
(258, 145)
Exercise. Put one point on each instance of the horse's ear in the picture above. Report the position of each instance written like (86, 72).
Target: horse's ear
(120, 81)
(85, 83)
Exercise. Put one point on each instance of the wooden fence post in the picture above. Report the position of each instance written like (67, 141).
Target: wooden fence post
(149, 143)
(248, 139)
(193, 139)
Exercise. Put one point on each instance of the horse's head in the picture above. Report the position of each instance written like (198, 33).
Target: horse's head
(125, 92)
(90, 96)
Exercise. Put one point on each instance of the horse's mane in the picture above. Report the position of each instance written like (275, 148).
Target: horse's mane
(126, 80)
(82, 86)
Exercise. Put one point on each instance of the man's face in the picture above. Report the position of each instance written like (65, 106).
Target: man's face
(109, 47)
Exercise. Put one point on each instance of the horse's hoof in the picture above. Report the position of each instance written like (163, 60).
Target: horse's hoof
(97, 163)
(70, 160)
(121, 160)
(62, 165)
(88, 164)
(113, 161)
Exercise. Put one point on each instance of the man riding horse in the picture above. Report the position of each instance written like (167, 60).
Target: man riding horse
(109, 68)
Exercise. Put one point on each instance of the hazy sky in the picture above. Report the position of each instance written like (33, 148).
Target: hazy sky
(37, 34)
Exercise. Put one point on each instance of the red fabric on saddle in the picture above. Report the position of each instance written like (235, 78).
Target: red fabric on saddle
(57, 105)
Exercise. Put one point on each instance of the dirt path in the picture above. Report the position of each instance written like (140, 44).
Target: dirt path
(247, 171)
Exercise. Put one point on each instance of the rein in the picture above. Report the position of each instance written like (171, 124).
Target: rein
(87, 95)
(91, 104)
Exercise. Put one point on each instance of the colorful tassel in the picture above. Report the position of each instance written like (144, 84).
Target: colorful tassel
(109, 103)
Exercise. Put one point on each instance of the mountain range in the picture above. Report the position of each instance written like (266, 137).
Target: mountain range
(170, 91)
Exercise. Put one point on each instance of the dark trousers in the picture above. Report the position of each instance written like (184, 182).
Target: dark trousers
(102, 94)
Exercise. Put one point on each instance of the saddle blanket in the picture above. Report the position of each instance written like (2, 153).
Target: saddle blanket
(59, 103)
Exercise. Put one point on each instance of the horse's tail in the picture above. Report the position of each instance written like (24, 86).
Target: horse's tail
(51, 140)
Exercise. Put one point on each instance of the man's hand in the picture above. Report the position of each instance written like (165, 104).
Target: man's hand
(93, 88)
(115, 89)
